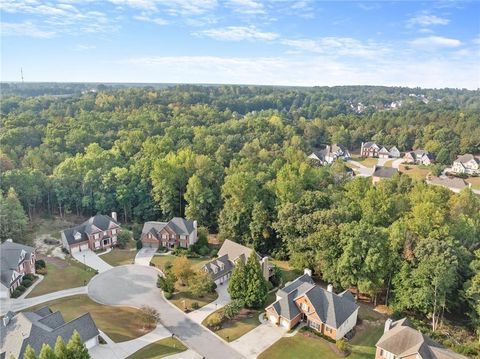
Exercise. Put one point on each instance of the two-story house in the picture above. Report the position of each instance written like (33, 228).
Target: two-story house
(371, 149)
(98, 232)
(333, 315)
(329, 154)
(229, 255)
(178, 232)
(419, 157)
(16, 260)
(401, 341)
(467, 164)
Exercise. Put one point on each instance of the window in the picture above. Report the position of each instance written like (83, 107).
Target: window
(313, 325)
(114, 231)
(164, 236)
(105, 233)
(304, 307)
(96, 235)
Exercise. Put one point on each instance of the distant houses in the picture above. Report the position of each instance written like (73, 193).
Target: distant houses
(419, 157)
(329, 154)
(381, 172)
(466, 164)
(229, 255)
(371, 149)
(178, 232)
(98, 232)
(333, 315)
(16, 260)
(43, 326)
(401, 341)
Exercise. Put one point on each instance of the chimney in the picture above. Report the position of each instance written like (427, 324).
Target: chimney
(330, 288)
(114, 216)
(307, 271)
(388, 325)
(195, 224)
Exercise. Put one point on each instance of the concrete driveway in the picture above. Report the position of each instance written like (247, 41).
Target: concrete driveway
(223, 298)
(362, 170)
(144, 256)
(134, 285)
(396, 163)
(92, 260)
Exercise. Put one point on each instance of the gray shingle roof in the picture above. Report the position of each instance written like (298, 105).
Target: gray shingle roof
(466, 157)
(42, 326)
(216, 264)
(178, 225)
(9, 259)
(402, 340)
(93, 224)
(384, 172)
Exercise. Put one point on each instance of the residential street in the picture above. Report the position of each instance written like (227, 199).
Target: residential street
(134, 285)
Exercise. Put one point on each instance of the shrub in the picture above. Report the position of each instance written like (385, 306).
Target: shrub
(213, 252)
(148, 317)
(167, 266)
(168, 295)
(214, 321)
(29, 276)
(42, 271)
(167, 283)
(123, 238)
(39, 264)
(277, 276)
(21, 288)
(204, 250)
(318, 334)
(343, 345)
(27, 283)
(139, 244)
(16, 293)
(161, 249)
(233, 308)
(195, 305)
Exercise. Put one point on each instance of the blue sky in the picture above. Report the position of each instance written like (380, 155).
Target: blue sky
(272, 42)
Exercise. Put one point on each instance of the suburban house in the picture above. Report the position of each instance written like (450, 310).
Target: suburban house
(178, 232)
(98, 232)
(467, 164)
(371, 149)
(18, 330)
(401, 341)
(381, 172)
(419, 157)
(329, 154)
(229, 255)
(16, 260)
(334, 315)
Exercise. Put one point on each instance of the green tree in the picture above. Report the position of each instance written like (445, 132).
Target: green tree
(237, 282)
(29, 353)
(75, 347)
(46, 352)
(201, 284)
(182, 269)
(60, 349)
(256, 289)
(167, 282)
(13, 220)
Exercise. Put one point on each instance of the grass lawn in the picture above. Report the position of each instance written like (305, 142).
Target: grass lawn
(159, 349)
(388, 163)
(119, 257)
(415, 171)
(475, 181)
(160, 261)
(119, 323)
(184, 298)
(62, 275)
(367, 162)
(288, 273)
(234, 329)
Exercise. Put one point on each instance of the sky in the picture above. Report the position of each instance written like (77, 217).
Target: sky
(430, 44)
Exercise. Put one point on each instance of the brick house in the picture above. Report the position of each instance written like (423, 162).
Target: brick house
(401, 341)
(334, 315)
(178, 232)
(98, 232)
(16, 260)
(229, 255)
(371, 149)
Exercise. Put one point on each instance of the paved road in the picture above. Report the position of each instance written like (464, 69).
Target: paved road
(134, 285)
(223, 298)
(20, 304)
(144, 256)
(92, 260)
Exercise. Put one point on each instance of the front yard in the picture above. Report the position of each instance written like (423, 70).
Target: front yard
(475, 182)
(367, 162)
(159, 349)
(307, 345)
(62, 274)
(119, 323)
(417, 172)
(161, 261)
(183, 298)
(119, 257)
(244, 322)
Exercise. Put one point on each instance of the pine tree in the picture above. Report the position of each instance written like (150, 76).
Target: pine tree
(29, 353)
(256, 289)
(46, 352)
(75, 347)
(60, 349)
(237, 282)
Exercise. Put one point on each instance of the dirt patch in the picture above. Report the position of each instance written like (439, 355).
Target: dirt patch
(57, 262)
(48, 246)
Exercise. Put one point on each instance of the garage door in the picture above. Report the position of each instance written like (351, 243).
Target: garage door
(284, 323)
(84, 247)
(74, 249)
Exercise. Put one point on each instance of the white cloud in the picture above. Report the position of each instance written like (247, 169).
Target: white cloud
(339, 46)
(237, 33)
(155, 20)
(427, 20)
(433, 42)
(24, 29)
(246, 6)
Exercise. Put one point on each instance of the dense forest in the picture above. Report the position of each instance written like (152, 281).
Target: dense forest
(234, 158)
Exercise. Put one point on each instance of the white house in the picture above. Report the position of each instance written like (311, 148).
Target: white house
(467, 164)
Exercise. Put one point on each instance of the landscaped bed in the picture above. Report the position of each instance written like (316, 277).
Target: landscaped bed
(119, 257)
(159, 349)
(62, 274)
(119, 323)
(184, 299)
